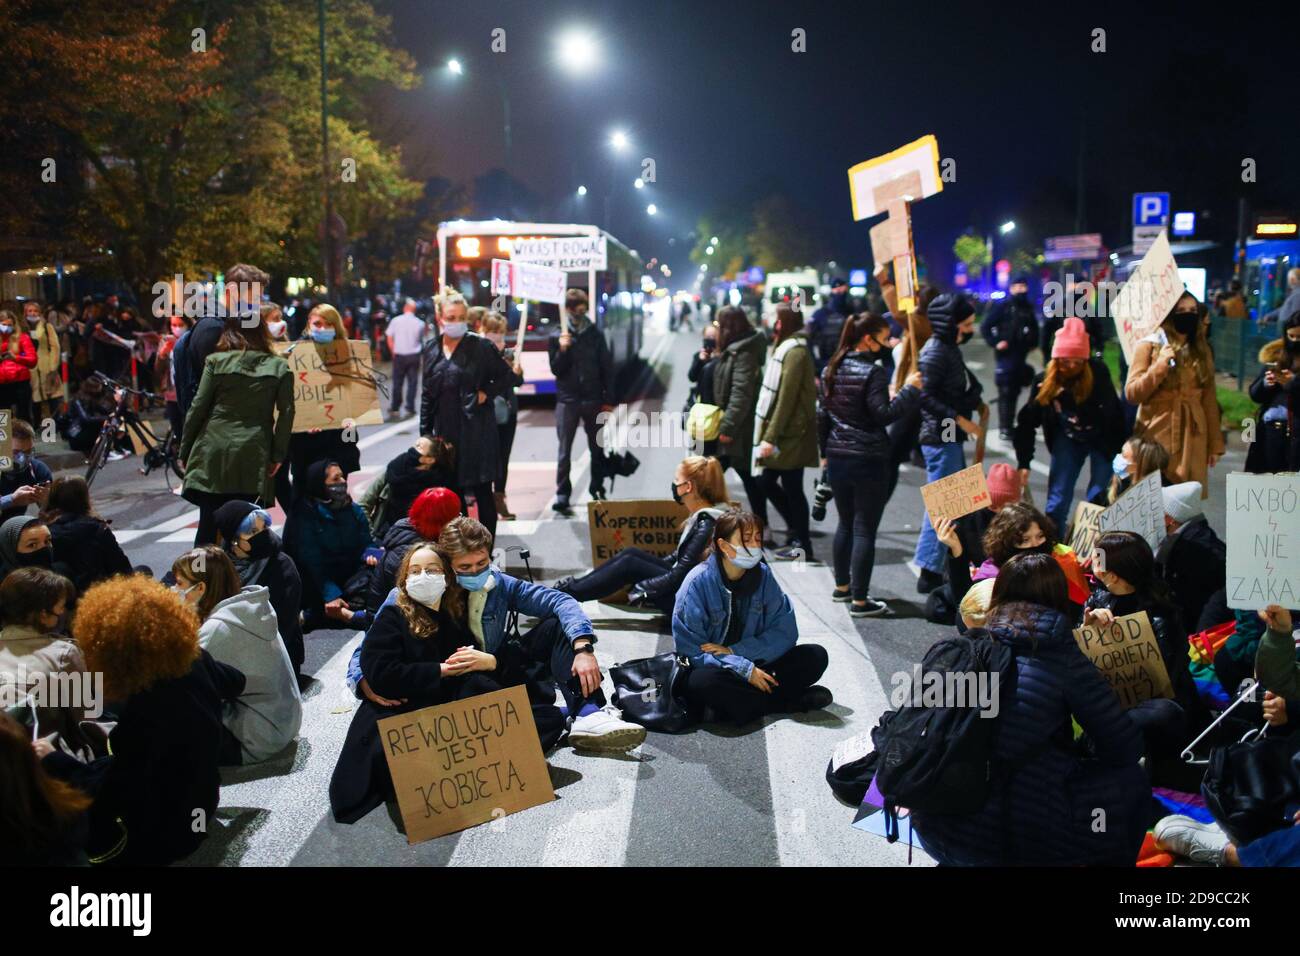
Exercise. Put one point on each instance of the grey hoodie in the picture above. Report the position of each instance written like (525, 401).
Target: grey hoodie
(242, 631)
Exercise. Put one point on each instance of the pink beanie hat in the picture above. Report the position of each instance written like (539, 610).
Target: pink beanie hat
(1004, 486)
(1072, 341)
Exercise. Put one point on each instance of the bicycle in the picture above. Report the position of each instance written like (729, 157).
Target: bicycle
(124, 420)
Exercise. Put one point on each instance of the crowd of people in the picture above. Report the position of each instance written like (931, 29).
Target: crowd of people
(203, 668)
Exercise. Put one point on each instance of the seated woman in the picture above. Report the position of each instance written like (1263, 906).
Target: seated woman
(1046, 812)
(327, 536)
(698, 484)
(1126, 570)
(430, 463)
(1019, 528)
(414, 656)
(737, 627)
(83, 541)
(34, 601)
(244, 532)
(25, 543)
(162, 776)
(44, 823)
(1137, 458)
(239, 629)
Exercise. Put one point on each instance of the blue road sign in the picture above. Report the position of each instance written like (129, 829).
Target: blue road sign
(1150, 209)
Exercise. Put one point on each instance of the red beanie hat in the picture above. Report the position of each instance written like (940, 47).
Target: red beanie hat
(1004, 486)
(432, 509)
(1072, 341)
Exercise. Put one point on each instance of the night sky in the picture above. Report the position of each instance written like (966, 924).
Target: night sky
(713, 92)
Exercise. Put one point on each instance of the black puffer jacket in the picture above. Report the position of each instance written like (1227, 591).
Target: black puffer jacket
(1194, 562)
(383, 576)
(950, 390)
(1099, 420)
(449, 405)
(584, 372)
(691, 550)
(856, 409)
(85, 545)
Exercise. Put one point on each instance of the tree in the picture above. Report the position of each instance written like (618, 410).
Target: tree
(971, 250)
(784, 236)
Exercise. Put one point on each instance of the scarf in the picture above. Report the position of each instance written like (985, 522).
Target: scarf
(772, 380)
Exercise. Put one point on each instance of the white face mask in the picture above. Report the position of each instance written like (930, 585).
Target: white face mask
(455, 330)
(427, 587)
(1120, 466)
(275, 328)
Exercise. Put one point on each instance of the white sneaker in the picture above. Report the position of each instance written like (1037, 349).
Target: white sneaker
(605, 730)
(1198, 842)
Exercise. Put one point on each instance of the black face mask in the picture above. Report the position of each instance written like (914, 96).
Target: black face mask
(964, 337)
(1043, 548)
(1185, 323)
(676, 497)
(36, 559)
(259, 545)
(336, 493)
(1292, 345)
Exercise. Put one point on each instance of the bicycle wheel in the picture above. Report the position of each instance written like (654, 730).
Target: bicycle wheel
(98, 455)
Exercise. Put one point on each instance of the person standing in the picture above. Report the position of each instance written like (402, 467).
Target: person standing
(1074, 402)
(1011, 329)
(1172, 383)
(786, 431)
(584, 387)
(17, 359)
(237, 431)
(851, 425)
(950, 395)
(326, 334)
(505, 408)
(827, 322)
(405, 336)
(735, 386)
(241, 296)
(463, 373)
(47, 380)
(1277, 390)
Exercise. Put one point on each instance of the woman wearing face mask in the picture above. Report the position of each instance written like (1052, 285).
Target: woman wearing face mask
(698, 484)
(415, 655)
(47, 382)
(1277, 443)
(244, 531)
(276, 327)
(856, 410)
(327, 535)
(1137, 458)
(737, 627)
(17, 359)
(238, 628)
(83, 541)
(179, 326)
(463, 374)
(1172, 383)
(505, 407)
(1020, 528)
(25, 542)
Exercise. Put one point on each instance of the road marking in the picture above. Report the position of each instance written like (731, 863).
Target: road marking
(125, 536)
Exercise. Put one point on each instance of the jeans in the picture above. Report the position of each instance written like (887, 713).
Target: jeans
(861, 488)
(1279, 848)
(784, 488)
(940, 462)
(735, 700)
(1068, 457)
(406, 371)
(622, 570)
(567, 417)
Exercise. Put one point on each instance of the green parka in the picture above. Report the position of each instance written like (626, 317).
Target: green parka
(735, 387)
(791, 422)
(239, 424)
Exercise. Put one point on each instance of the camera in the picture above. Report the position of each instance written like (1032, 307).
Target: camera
(822, 495)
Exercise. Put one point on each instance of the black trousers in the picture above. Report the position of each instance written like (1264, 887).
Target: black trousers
(406, 372)
(784, 488)
(541, 661)
(622, 570)
(1008, 396)
(736, 700)
(505, 442)
(568, 415)
(486, 501)
(904, 438)
(18, 396)
(753, 487)
(861, 491)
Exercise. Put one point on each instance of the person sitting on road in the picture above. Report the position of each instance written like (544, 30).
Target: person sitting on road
(83, 541)
(25, 542)
(239, 629)
(563, 639)
(653, 580)
(90, 407)
(26, 481)
(244, 532)
(44, 823)
(430, 463)
(327, 536)
(737, 627)
(1137, 458)
(1193, 560)
(1043, 810)
(424, 521)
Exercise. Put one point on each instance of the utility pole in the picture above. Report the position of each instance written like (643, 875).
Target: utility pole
(327, 243)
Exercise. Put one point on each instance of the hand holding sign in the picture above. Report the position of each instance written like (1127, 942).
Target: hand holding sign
(1125, 650)
(956, 495)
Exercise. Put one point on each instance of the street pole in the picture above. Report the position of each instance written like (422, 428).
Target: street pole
(505, 111)
(327, 245)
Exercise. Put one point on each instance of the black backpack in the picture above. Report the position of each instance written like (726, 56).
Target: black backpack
(940, 759)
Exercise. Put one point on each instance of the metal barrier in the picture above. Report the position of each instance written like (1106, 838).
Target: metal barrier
(1236, 344)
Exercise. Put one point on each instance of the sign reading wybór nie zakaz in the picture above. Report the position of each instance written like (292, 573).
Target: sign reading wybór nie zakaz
(1263, 519)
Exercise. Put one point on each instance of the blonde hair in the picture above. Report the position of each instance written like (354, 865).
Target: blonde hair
(493, 323)
(706, 475)
(974, 607)
(474, 316)
(330, 315)
(449, 299)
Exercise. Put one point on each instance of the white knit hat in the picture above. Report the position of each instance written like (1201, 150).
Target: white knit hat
(1183, 501)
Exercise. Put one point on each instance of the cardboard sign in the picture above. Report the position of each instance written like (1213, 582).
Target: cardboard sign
(332, 382)
(570, 253)
(958, 494)
(1150, 292)
(1140, 509)
(461, 764)
(523, 280)
(653, 525)
(1083, 529)
(889, 240)
(1263, 518)
(6, 439)
(920, 157)
(1128, 656)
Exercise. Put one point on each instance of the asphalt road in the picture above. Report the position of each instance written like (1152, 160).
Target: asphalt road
(753, 796)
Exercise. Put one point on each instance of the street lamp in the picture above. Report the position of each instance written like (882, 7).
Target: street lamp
(1007, 227)
(639, 183)
(618, 139)
(576, 51)
(582, 190)
(454, 67)
(651, 209)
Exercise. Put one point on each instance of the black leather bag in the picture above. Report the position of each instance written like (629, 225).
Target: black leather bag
(1247, 786)
(650, 692)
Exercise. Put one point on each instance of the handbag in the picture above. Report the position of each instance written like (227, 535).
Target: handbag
(650, 691)
(704, 421)
(1247, 786)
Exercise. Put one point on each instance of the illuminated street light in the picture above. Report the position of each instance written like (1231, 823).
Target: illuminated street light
(582, 190)
(1007, 227)
(651, 209)
(713, 240)
(639, 183)
(577, 51)
(618, 139)
(454, 67)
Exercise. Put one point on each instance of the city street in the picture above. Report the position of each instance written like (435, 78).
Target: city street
(754, 796)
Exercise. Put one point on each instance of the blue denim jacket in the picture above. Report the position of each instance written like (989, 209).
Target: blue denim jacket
(507, 595)
(704, 608)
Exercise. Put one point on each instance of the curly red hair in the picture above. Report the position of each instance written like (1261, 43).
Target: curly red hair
(135, 632)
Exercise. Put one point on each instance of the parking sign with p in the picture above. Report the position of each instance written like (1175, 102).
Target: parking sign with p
(1150, 209)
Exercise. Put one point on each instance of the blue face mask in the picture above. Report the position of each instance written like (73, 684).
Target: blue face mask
(1119, 465)
(323, 336)
(474, 582)
(747, 558)
(21, 459)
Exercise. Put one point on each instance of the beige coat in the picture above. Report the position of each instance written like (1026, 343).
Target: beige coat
(1177, 411)
(47, 378)
(25, 653)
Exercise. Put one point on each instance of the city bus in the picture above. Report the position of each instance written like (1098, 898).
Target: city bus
(465, 254)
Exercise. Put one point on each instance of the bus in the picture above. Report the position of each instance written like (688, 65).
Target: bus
(465, 254)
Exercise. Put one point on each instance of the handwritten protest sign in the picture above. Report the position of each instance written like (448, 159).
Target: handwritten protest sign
(650, 524)
(569, 253)
(331, 382)
(958, 494)
(1150, 292)
(1141, 509)
(1083, 529)
(1263, 518)
(1128, 656)
(465, 763)
(6, 439)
